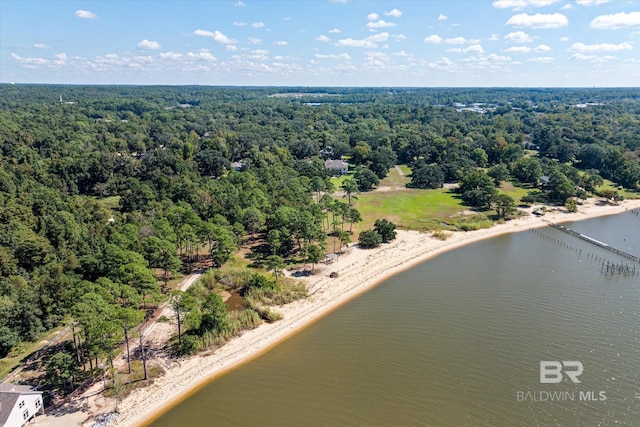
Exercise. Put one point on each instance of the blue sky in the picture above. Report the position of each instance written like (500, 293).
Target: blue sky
(534, 43)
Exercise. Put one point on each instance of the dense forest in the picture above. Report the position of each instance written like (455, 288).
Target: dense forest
(106, 192)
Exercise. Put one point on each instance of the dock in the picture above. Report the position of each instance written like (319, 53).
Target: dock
(593, 241)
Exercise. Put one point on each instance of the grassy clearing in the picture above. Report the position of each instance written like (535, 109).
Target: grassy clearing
(514, 191)
(628, 194)
(338, 180)
(395, 180)
(410, 209)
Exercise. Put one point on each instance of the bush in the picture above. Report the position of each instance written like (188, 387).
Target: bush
(369, 239)
(190, 345)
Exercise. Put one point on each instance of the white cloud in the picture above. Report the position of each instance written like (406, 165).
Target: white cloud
(541, 59)
(498, 58)
(521, 4)
(564, 39)
(401, 53)
(398, 37)
(370, 42)
(518, 49)
(538, 21)
(203, 55)
(602, 47)
(334, 31)
(216, 35)
(149, 45)
(341, 57)
(442, 17)
(59, 60)
(323, 38)
(567, 6)
(254, 40)
(519, 37)
(455, 40)
(85, 14)
(592, 58)
(259, 54)
(281, 43)
(239, 24)
(174, 56)
(591, 2)
(616, 21)
(232, 48)
(443, 63)
(257, 25)
(41, 46)
(494, 38)
(434, 38)
(394, 13)
(373, 16)
(238, 3)
(474, 48)
(380, 24)
(542, 48)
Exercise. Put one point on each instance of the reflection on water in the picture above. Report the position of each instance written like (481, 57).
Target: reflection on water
(457, 341)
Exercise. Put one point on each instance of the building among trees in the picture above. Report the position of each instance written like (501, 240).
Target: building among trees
(337, 167)
(19, 404)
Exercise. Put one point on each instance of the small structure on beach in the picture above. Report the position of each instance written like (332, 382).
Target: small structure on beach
(19, 404)
(330, 258)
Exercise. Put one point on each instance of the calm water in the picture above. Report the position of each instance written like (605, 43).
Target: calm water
(452, 342)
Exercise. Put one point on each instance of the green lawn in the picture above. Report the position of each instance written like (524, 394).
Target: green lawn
(394, 179)
(409, 208)
(338, 180)
(628, 194)
(516, 192)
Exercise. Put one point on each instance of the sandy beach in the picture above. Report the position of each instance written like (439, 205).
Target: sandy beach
(358, 271)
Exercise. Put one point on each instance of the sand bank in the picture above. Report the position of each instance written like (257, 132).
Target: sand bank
(358, 271)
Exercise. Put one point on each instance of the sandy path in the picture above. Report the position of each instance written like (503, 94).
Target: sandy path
(358, 270)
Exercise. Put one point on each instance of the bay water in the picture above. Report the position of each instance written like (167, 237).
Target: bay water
(458, 341)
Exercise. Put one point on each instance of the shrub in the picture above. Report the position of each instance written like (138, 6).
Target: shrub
(190, 345)
(369, 239)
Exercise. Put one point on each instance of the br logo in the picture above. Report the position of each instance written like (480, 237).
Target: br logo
(551, 371)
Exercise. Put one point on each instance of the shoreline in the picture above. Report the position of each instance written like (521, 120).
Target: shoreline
(359, 271)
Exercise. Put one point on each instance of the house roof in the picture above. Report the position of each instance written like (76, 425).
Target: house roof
(9, 395)
(7, 402)
(336, 164)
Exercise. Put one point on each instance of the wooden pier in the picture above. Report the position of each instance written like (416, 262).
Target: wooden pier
(593, 241)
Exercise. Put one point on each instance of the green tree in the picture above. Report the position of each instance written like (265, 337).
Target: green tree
(214, 315)
(314, 255)
(426, 176)
(62, 367)
(527, 170)
(366, 179)
(350, 188)
(275, 264)
(504, 205)
(8, 340)
(182, 303)
(128, 318)
(369, 239)
(571, 205)
(386, 229)
(498, 173)
(560, 187)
